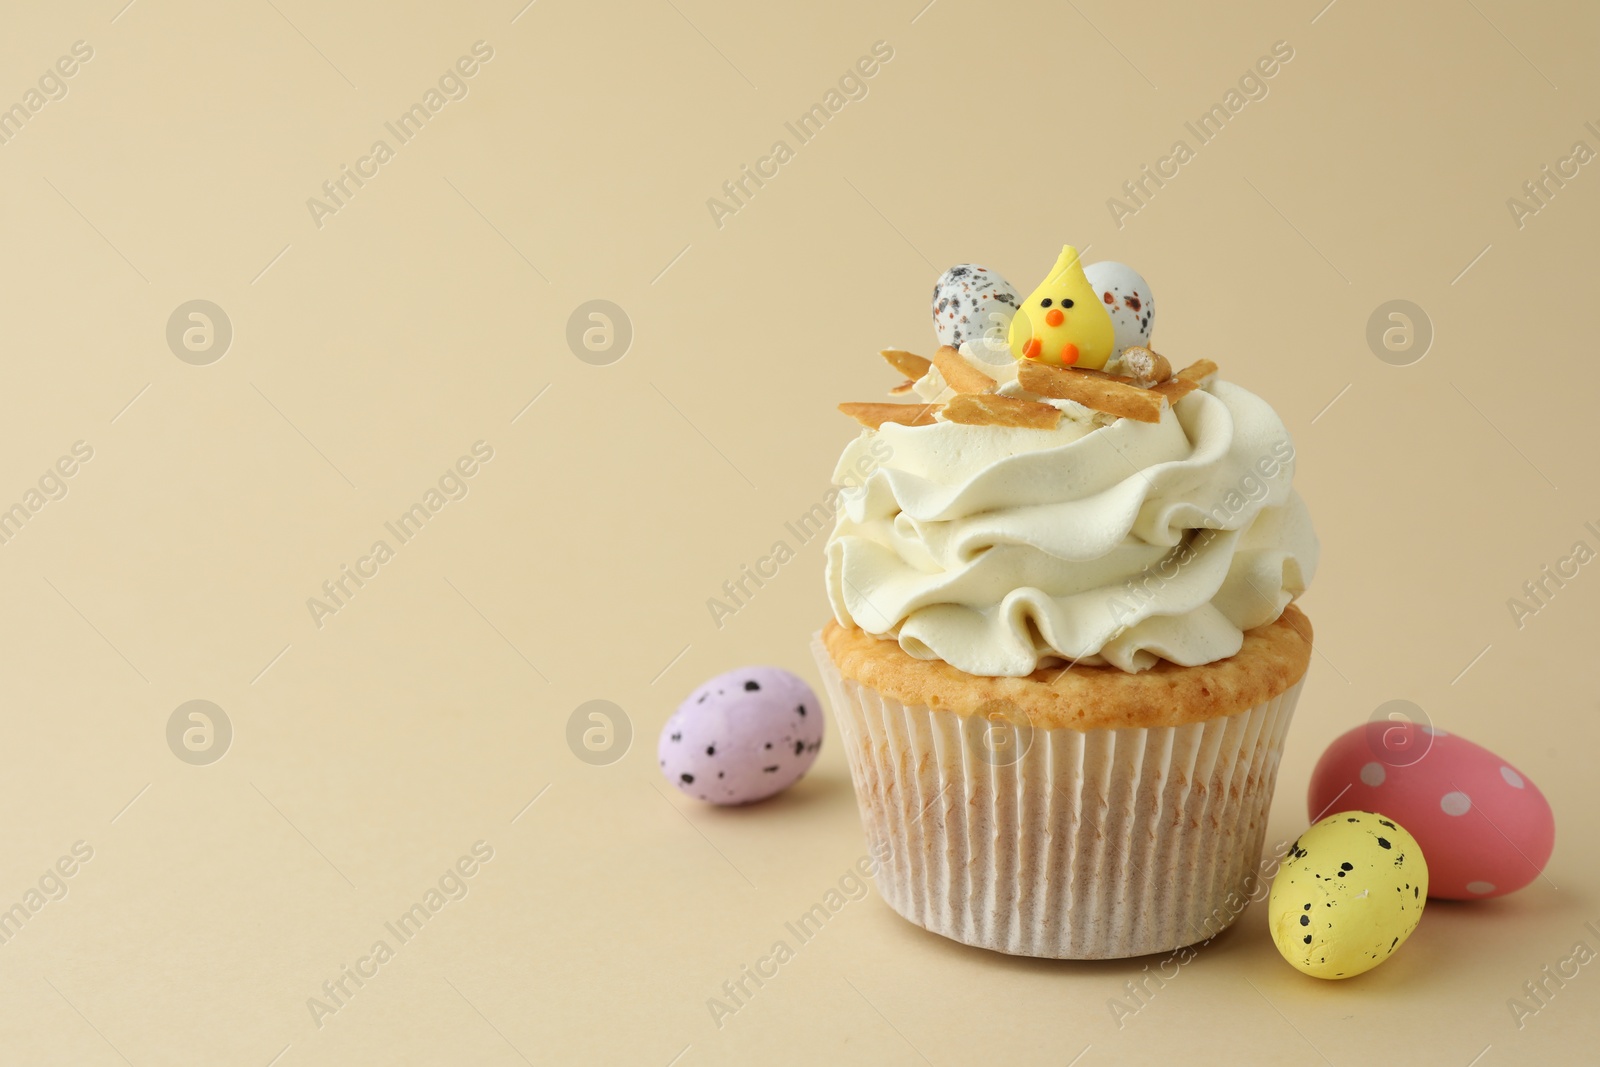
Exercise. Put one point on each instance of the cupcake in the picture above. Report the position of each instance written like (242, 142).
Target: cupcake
(1064, 653)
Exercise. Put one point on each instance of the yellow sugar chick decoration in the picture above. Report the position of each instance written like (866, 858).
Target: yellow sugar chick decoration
(1062, 322)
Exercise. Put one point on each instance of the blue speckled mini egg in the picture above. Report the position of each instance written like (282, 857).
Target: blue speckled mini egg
(742, 736)
(969, 302)
(1127, 299)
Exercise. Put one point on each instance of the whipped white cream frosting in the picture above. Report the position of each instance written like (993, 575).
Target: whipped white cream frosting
(1104, 541)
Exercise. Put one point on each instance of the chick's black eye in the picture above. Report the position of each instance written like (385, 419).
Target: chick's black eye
(1045, 302)
(1066, 303)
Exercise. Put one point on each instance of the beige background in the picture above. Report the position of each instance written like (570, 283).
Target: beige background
(368, 354)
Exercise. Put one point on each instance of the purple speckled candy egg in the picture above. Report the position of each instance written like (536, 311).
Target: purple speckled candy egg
(742, 736)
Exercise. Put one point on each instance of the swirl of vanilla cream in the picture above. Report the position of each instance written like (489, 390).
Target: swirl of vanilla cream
(1104, 541)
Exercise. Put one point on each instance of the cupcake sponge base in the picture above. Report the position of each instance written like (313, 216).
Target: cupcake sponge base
(1061, 842)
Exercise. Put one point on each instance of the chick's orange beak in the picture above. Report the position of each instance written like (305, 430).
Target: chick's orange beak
(1054, 317)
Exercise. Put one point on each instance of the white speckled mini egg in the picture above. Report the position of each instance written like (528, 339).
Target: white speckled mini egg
(1127, 298)
(742, 736)
(971, 302)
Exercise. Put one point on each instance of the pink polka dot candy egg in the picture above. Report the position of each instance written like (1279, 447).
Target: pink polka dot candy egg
(742, 736)
(1484, 827)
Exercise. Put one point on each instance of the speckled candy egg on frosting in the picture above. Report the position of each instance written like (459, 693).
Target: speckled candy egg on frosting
(742, 736)
(1127, 298)
(972, 302)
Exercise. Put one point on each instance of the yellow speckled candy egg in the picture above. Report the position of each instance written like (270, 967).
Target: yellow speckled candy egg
(1347, 895)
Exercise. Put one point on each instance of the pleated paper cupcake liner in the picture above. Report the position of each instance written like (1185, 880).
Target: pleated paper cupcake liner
(1069, 844)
